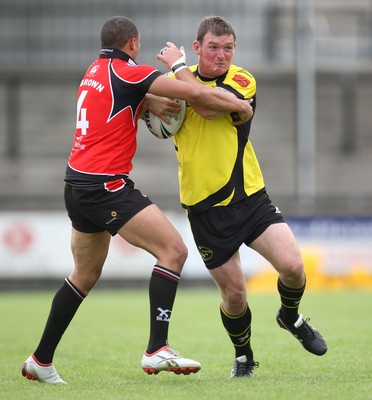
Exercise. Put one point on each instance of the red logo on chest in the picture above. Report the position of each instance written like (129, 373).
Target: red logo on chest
(241, 80)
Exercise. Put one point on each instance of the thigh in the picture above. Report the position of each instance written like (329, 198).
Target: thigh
(229, 275)
(152, 231)
(278, 245)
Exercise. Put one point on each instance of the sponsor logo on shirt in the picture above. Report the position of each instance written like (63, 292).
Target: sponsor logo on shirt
(241, 80)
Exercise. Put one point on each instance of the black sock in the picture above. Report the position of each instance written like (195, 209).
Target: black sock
(64, 306)
(290, 299)
(238, 328)
(162, 292)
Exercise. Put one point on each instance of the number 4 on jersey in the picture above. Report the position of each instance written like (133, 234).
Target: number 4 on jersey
(81, 116)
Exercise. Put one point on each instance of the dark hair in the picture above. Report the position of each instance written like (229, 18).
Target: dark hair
(117, 31)
(218, 26)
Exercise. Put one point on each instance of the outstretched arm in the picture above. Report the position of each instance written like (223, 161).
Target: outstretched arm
(208, 97)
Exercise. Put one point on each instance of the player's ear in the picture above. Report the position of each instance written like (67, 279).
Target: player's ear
(132, 43)
(196, 47)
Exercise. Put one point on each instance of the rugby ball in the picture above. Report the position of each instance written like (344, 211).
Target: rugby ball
(162, 130)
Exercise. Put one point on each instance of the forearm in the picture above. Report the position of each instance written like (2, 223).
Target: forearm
(186, 75)
(215, 102)
(205, 110)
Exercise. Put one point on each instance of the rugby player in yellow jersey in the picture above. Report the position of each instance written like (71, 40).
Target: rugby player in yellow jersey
(223, 191)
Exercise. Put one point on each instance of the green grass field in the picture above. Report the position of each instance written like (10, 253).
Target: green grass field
(100, 354)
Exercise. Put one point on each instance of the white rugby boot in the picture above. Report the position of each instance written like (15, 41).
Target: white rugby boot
(166, 359)
(44, 373)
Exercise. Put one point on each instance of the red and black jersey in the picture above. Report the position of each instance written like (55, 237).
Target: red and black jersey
(109, 102)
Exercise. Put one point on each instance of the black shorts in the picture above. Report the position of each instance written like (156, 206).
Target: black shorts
(99, 207)
(220, 231)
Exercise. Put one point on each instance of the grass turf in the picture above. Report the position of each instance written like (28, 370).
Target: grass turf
(100, 354)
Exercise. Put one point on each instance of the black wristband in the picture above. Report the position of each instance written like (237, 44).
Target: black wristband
(177, 67)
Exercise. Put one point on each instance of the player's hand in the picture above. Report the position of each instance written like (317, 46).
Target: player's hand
(243, 116)
(161, 106)
(171, 55)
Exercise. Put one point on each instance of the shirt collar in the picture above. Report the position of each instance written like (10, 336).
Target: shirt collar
(109, 52)
(205, 79)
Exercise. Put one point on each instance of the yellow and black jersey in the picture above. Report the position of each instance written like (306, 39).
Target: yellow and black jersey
(217, 163)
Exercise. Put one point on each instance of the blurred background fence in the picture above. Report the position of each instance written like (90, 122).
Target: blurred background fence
(46, 45)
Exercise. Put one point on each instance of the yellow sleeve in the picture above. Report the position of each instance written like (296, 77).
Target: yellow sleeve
(242, 81)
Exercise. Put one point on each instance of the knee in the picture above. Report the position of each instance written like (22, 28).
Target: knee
(234, 300)
(174, 256)
(85, 280)
(180, 254)
(293, 272)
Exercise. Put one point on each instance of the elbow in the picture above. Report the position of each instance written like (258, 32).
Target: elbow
(208, 114)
